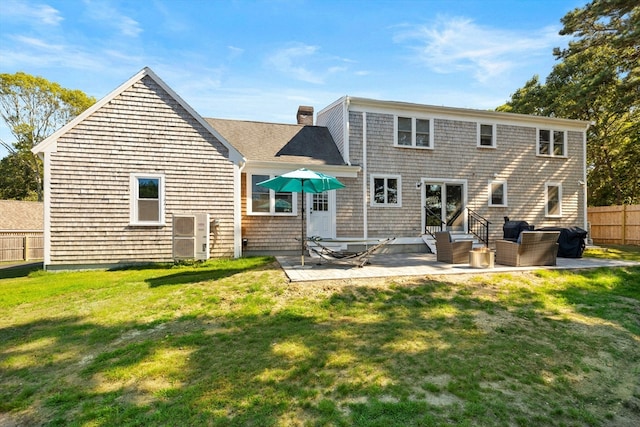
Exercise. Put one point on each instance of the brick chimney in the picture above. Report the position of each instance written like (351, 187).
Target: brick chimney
(305, 115)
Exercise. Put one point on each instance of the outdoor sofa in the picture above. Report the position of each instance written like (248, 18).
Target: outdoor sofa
(452, 252)
(532, 248)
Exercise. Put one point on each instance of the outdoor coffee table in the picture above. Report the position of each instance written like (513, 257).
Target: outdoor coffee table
(482, 258)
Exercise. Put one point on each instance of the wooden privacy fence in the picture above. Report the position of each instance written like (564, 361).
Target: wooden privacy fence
(618, 225)
(21, 246)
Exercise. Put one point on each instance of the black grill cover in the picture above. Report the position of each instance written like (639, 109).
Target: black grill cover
(571, 241)
(511, 229)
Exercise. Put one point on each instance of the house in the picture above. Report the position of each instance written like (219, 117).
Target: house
(424, 167)
(121, 177)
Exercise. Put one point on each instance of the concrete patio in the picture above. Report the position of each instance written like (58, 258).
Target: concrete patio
(417, 264)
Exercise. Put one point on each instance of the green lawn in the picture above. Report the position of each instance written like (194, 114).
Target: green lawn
(232, 343)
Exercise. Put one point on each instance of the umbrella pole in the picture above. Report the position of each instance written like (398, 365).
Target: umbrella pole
(302, 227)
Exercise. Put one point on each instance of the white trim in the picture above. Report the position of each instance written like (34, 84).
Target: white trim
(504, 203)
(279, 168)
(49, 144)
(439, 112)
(272, 199)
(346, 155)
(372, 201)
(46, 188)
(365, 208)
(546, 199)
(414, 119)
(551, 143)
(237, 211)
(133, 199)
(584, 180)
(444, 181)
(479, 135)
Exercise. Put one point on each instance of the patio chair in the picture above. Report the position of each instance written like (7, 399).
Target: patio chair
(533, 248)
(452, 252)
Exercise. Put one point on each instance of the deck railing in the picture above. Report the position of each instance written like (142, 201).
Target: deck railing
(433, 222)
(478, 226)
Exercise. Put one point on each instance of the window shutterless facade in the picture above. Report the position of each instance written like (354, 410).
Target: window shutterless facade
(413, 132)
(263, 201)
(553, 199)
(386, 190)
(552, 143)
(486, 135)
(497, 193)
(147, 199)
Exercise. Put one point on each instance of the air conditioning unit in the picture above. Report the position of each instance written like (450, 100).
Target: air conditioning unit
(191, 236)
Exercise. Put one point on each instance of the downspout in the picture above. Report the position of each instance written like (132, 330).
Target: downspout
(584, 178)
(237, 207)
(365, 222)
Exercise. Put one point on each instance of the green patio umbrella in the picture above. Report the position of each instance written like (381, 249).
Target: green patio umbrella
(302, 181)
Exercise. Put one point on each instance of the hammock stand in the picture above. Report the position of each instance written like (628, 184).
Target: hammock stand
(359, 259)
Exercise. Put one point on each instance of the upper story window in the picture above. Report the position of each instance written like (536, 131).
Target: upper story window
(147, 199)
(553, 199)
(263, 201)
(414, 132)
(552, 143)
(497, 193)
(385, 190)
(486, 135)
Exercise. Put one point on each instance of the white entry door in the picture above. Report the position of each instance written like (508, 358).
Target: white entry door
(321, 214)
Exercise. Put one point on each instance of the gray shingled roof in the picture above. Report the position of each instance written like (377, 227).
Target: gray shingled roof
(275, 142)
(21, 215)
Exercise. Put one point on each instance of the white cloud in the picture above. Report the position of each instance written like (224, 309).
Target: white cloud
(460, 45)
(292, 61)
(104, 13)
(37, 14)
(234, 52)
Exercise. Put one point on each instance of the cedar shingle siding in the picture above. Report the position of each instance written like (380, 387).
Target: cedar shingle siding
(142, 130)
(456, 157)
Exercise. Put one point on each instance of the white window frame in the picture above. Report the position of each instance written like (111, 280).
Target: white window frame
(272, 199)
(413, 132)
(133, 206)
(552, 143)
(548, 185)
(372, 190)
(493, 135)
(504, 193)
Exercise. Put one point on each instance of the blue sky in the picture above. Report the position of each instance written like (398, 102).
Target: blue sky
(260, 60)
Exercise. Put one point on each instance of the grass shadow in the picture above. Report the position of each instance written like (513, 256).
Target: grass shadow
(21, 270)
(192, 277)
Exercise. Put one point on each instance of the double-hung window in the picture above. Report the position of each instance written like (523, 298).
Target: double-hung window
(552, 143)
(498, 193)
(147, 199)
(414, 132)
(263, 201)
(386, 190)
(553, 199)
(486, 135)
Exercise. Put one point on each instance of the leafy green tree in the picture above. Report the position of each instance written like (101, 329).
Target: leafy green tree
(16, 181)
(33, 108)
(597, 80)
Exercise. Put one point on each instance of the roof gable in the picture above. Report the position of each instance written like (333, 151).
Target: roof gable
(275, 142)
(49, 143)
